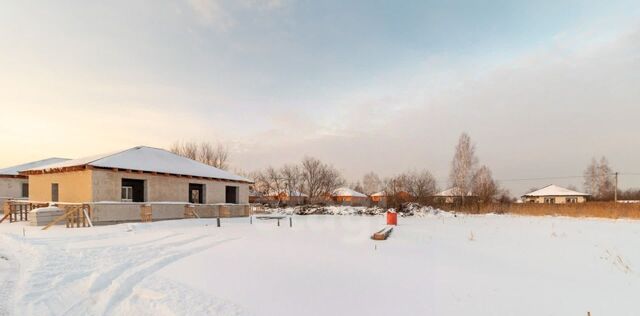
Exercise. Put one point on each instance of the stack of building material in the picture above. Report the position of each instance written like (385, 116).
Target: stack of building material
(45, 215)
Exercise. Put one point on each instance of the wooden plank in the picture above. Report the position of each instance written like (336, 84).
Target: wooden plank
(86, 215)
(58, 219)
(383, 234)
(4, 217)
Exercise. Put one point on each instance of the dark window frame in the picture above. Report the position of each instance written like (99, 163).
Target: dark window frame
(139, 189)
(55, 192)
(25, 189)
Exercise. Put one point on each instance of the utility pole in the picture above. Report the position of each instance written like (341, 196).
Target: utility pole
(615, 192)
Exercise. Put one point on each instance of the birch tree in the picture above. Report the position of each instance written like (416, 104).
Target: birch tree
(597, 179)
(463, 165)
(371, 183)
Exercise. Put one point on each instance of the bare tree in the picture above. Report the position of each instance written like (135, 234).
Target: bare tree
(216, 156)
(597, 179)
(484, 186)
(606, 187)
(371, 183)
(276, 183)
(396, 189)
(421, 185)
(186, 149)
(504, 196)
(357, 186)
(311, 176)
(319, 179)
(463, 165)
(220, 157)
(206, 154)
(331, 179)
(260, 185)
(292, 177)
(630, 194)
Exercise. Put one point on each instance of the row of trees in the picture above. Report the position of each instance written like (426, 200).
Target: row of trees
(465, 177)
(316, 178)
(311, 177)
(421, 185)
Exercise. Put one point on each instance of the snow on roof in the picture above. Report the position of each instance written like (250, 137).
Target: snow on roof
(554, 190)
(381, 193)
(142, 158)
(347, 192)
(453, 192)
(14, 171)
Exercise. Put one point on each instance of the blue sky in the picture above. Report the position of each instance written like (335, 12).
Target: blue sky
(367, 85)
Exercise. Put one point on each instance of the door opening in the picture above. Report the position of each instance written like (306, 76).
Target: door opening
(196, 193)
(232, 195)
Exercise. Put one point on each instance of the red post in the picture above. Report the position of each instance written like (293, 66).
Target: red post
(392, 218)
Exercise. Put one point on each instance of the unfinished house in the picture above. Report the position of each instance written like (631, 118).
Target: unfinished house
(116, 184)
(13, 185)
(554, 194)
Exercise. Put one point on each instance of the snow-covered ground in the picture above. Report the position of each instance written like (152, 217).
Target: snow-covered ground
(325, 265)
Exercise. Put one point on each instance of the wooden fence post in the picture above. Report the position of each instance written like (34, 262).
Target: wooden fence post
(146, 213)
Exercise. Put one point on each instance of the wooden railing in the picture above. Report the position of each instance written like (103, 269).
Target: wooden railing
(190, 211)
(78, 215)
(18, 211)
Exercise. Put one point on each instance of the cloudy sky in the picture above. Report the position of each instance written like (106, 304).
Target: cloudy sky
(388, 86)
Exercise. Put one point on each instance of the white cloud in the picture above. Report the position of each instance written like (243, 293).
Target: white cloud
(545, 113)
(267, 4)
(220, 14)
(211, 13)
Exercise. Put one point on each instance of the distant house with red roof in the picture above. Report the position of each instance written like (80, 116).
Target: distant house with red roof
(349, 196)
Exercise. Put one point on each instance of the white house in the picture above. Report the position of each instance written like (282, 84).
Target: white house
(554, 194)
(453, 195)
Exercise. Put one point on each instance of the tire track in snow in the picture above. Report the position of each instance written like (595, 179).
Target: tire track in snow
(102, 282)
(79, 272)
(8, 275)
(125, 289)
(111, 288)
(128, 254)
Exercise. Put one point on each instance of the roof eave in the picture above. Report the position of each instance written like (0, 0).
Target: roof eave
(87, 166)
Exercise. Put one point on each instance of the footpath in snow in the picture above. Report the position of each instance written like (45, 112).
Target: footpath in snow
(434, 264)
